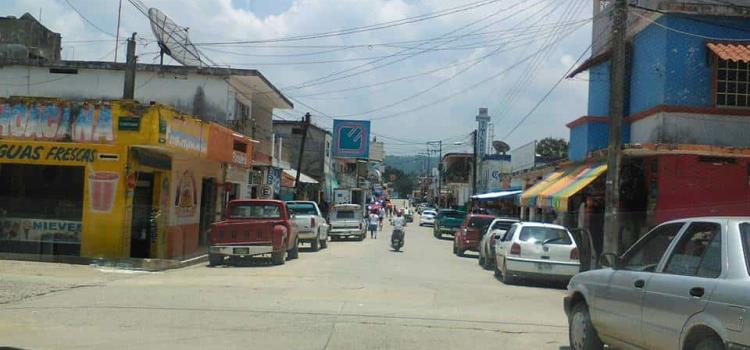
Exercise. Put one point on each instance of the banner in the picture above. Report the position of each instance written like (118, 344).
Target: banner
(351, 138)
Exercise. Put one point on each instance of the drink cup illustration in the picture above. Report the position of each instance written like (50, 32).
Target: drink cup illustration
(102, 189)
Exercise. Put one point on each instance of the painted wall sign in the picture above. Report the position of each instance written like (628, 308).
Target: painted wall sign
(86, 122)
(186, 198)
(187, 134)
(29, 229)
(102, 190)
(239, 157)
(43, 152)
(351, 138)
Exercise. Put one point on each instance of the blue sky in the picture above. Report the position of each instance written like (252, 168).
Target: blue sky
(427, 79)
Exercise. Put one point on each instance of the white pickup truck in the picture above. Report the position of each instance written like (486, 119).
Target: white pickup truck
(312, 226)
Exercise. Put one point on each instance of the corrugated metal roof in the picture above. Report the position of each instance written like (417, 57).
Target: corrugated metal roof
(731, 52)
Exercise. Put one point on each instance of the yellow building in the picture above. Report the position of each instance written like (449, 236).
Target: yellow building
(112, 179)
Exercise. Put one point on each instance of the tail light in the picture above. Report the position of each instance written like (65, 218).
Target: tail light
(574, 254)
(312, 222)
(515, 249)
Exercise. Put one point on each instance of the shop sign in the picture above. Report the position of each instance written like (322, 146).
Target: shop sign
(28, 229)
(57, 122)
(44, 152)
(129, 124)
(186, 135)
(102, 190)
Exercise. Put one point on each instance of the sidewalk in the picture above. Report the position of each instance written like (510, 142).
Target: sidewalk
(125, 263)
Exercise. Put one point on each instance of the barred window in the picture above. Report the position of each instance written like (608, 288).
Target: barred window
(732, 84)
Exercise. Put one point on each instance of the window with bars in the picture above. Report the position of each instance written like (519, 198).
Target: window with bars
(732, 84)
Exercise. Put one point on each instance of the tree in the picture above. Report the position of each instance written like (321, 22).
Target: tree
(552, 148)
(403, 184)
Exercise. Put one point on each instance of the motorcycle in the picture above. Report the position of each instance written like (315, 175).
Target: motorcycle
(397, 239)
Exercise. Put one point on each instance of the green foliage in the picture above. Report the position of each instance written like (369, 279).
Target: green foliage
(401, 182)
(552, 148)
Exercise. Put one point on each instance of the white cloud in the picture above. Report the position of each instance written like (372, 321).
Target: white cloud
(455, 105)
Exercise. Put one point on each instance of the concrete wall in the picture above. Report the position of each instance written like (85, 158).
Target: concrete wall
(688, 128)
(26, 32)
(590, 136)
(314, 158)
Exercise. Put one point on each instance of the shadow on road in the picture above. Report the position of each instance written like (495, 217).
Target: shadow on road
(566, 348)
(470, 256)
(536, 283)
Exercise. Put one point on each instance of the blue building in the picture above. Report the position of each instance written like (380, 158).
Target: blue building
(688, 81)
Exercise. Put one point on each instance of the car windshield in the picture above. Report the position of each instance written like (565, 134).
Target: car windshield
(480, 223)
(344, 214)
(255, 211)
(428, 213)
(452, 214)
(302, 208)
(546, 235)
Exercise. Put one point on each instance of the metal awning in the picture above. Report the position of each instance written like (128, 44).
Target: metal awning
(302, 177)
(731, 51)
(495, 195)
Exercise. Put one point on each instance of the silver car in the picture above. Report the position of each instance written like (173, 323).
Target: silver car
(683, 285)
(495, 232)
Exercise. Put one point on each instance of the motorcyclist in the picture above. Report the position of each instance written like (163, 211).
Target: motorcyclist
(399, 223)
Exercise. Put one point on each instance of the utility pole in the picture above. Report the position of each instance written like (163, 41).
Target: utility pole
(616, 113)
(128, 92)
(474, 164)
(305, 124)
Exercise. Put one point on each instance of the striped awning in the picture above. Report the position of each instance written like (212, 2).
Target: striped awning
(528, 197)
(556, 196)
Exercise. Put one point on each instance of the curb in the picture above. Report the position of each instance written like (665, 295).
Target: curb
(150, 265)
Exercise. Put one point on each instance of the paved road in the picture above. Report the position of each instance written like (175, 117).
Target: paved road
(353, 295)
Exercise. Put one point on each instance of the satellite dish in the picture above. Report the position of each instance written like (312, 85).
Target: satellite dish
(173, 40)
(500, 146)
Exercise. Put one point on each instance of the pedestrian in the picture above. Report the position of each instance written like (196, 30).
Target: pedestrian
(374, 222)
(381, 215)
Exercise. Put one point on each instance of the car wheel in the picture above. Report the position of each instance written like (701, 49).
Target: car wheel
(480, 261)
(488, 263)
(507, 275)
(711, 343)
(324, 243)
(362, 237)
(278, 258)
(460, 252)
(455, 250)
(315, 244)
(294, 252)
(497, 271)
(581, 332)
(215, 259)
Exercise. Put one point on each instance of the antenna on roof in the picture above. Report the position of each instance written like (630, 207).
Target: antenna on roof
(173, 40)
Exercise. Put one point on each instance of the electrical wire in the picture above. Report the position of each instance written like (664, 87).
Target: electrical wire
(378, 26)
(87, 20)
(684, 32)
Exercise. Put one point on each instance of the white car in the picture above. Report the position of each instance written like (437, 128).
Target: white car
(313, 227)
(427, 218)
(537, 251)
(494, 233)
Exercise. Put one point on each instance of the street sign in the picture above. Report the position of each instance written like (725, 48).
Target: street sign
(351, 138)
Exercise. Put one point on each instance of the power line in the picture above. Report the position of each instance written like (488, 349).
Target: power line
(87, 20)
(378, 26)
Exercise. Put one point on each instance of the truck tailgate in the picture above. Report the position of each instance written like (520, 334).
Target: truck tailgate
(243, 232)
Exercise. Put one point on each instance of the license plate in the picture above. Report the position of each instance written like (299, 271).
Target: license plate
(242, 251)
(543, 266)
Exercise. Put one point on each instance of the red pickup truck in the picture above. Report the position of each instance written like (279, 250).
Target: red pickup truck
(254, 227)
(470, 233)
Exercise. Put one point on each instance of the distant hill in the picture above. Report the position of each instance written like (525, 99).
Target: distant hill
(411, 165)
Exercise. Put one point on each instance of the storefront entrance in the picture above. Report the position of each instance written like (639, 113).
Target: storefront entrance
(41, 209)
(143, 226)
(208, 208)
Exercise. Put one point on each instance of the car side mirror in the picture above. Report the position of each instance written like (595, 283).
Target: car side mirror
(610, 260)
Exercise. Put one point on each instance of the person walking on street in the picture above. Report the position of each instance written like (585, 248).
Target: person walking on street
(381, 215)
(374, 222)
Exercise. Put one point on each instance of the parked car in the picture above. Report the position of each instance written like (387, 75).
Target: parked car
(447, 221)
(683, 285)
(536, 251)
(427, 218)
(495, 232)
(467, 237)
(313, 227)
(253, 227)
(347, 220)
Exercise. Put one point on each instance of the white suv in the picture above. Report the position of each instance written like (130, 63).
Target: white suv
(538, 251)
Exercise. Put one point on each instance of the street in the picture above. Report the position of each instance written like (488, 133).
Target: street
(353, 295)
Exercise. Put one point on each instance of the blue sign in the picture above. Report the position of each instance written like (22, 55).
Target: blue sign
(351, 138)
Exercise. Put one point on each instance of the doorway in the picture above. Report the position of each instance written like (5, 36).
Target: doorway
(143, 222)
(208, 208)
